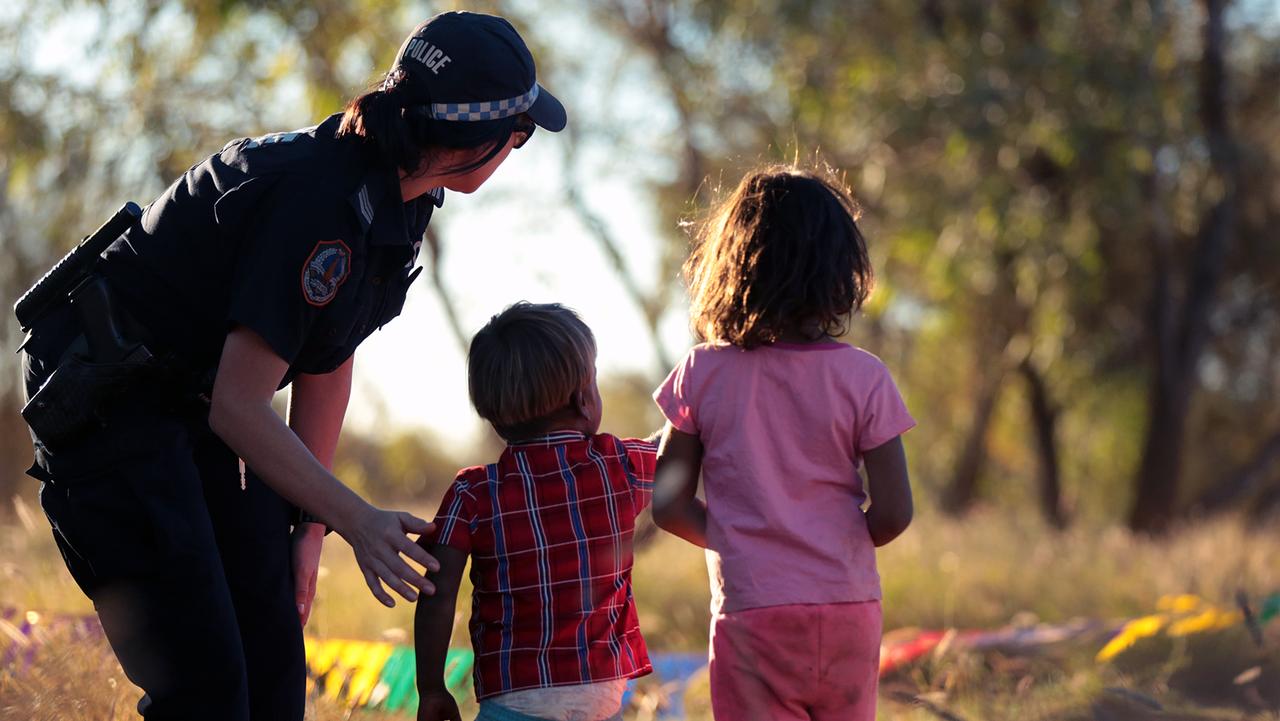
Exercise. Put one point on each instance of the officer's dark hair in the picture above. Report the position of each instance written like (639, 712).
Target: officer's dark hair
(526, 363)
(400, 128)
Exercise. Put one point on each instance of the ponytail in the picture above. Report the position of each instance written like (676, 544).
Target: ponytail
(378, 117)
(401, 130)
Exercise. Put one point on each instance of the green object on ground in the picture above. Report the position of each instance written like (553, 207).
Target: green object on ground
(400, 675)
(1270, 608)
(457, 670)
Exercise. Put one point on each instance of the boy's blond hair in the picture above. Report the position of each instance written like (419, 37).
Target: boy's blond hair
(526, 363)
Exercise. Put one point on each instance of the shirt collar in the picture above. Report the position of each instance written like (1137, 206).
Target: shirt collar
(550, 439)
(377, 197)
(437, 196)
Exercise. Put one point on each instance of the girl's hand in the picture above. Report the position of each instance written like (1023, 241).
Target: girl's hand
(378, 539)
(308, 540)
(438, 706)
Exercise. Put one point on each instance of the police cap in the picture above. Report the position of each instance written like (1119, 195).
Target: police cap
(469, 66)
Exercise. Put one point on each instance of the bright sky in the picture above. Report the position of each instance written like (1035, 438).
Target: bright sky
(512, 240)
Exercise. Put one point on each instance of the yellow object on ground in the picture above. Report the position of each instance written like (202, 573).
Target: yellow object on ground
(1180, 615)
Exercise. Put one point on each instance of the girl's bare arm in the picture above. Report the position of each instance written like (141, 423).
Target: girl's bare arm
(676, 506)
(891, 506)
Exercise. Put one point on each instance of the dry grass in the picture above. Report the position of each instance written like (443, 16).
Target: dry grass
(996, 565)
(985, 572)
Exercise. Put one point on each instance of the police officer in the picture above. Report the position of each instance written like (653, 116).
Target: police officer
(263, 266)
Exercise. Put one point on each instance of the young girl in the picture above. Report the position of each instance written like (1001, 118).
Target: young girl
(778, 415)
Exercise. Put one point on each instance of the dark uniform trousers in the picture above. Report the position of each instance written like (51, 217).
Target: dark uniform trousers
(190, 574)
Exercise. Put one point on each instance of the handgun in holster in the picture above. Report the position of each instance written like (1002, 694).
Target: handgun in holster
(111, 358)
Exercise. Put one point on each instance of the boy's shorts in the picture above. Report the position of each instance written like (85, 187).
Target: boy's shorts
(802, 662)
(599, 701)
(490, 711)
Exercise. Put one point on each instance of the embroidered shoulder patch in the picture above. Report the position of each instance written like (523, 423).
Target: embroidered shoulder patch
(325, 271)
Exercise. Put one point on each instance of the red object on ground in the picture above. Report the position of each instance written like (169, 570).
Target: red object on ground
(896, 654)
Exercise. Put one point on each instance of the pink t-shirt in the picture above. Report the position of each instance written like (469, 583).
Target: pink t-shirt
(783, 429)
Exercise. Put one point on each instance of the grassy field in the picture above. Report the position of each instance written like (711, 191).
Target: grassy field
(986, 572)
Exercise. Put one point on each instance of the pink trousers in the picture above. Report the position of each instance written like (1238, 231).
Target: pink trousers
(801, 662)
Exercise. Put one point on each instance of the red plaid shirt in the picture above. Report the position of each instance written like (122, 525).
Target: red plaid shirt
(549, 529)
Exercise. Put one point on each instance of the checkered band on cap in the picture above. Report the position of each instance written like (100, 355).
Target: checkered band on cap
(488, 110)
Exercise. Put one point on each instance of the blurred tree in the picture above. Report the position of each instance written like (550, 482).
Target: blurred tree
(1180, 334)
(1070, 208)
(1006, 154)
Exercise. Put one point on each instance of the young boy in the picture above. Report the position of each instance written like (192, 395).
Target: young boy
(548, 528)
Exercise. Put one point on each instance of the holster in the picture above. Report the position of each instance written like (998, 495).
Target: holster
(76, 394)
(111, 362)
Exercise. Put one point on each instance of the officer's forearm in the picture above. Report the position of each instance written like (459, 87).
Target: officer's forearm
(317, 406)
(241, 415)
(278, 456)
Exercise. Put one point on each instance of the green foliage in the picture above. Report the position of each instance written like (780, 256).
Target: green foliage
(406, 466)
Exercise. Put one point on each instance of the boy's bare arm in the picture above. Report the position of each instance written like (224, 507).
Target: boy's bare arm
(432, 627)
(891, 505)
(676, 506)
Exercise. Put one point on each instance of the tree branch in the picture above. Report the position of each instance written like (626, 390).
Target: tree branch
(434, 253)
(1245, 479)
(1044, 417)
(650, 307)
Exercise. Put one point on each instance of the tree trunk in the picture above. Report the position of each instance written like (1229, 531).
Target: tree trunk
(1161, 463)
(1044, 418)
(963, 489)
(1180, 343)
(993, 340)
(435, 256)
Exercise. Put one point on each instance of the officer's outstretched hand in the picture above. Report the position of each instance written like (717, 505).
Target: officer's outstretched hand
(378, 539)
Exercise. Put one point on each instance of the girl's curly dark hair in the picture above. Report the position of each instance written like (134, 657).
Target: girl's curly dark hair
(782, 254)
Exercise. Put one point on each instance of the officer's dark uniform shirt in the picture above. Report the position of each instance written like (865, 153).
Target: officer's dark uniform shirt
(301, 237)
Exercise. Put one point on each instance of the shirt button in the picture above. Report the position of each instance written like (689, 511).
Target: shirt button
(377, 280)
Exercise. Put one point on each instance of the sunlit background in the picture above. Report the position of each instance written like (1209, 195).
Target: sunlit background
(1071, 209)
